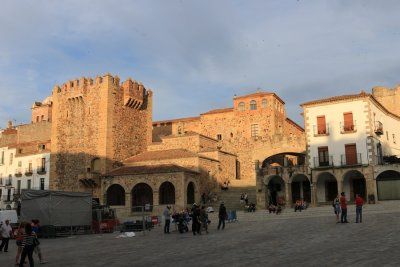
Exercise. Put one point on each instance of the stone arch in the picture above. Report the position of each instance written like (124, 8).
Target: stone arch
(300, 187)
(327, 188)
(388, 185)
(142, 197)
(190, 193)
(275, 190)
(354, 183)
(284, 159)
(115, 195)
(166, 193)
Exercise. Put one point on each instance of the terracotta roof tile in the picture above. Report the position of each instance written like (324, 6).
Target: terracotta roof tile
(149, 169)
(336, 98)
(161, 155)
(219, 110)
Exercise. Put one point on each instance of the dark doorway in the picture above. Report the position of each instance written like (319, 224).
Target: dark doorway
(142, 197)
(190, 193)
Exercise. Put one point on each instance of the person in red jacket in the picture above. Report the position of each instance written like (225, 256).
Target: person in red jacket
(359, 204)
(343, 206)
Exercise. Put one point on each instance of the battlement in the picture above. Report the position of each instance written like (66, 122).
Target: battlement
(134, 93)
(84, 83)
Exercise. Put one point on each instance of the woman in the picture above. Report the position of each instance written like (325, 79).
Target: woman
(37, 250)
(27, 245)
(336, 208)
(19, 237)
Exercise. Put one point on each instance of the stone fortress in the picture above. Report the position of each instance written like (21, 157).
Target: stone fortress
(101, 139)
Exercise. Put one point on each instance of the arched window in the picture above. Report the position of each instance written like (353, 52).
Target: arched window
(142, 197)
(116, 195)
(167, 193)
(264, 103)
(253, 105)
(241, 106)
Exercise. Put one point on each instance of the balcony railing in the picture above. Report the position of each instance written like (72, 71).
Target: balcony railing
(8, 182)
(348, 127)
(350, 160)
(41, 170)
(321, 132)
(321, 162)
(18, 173)
(28, 172)
(378, 128)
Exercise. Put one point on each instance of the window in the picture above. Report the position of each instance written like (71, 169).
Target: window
(29, 184)
(348, 122)
(387, 136)
(219, 136)
(37, 118)
(394, 138)
(323, 156)
(41, 183)
(241, 106)
(2, 158)
(253, 105)
(254, 130)
(41, 147)
(321, 125)
(30, 167)
(19, 186)
(11, 158)
(19, 163)
(264, 103)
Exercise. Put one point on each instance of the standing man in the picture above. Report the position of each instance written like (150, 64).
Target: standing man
(222, 216)
(343, 206)
(167, 216)
(196, 219)
(359, 204)
(6, 234)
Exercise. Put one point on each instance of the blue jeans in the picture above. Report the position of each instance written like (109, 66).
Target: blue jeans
(358, 214)
(343, 217)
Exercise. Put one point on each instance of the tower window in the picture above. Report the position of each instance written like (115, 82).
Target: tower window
(253, 105)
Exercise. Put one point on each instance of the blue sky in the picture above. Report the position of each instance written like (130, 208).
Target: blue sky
(196, 55)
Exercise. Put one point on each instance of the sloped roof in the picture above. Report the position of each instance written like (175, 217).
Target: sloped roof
(161, 155)
(219, 110)
(148, 169)
(336, 98)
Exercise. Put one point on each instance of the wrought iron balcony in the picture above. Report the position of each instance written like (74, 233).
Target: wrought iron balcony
(41, 170)
(350, 160)
(18, 172)
(348, 127)
(378, 128)
(28, 172)
(321, 132)
(322, 162)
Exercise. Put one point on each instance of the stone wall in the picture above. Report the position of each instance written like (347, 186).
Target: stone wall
(389, 98)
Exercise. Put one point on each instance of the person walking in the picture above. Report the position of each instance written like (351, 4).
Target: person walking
(336, 208)
(37, 250)
(343, 206)
(27, 246)
(203, 219)
(359, 204)
(6, 234)
(167, 216)
(19, 237)
(222, 216)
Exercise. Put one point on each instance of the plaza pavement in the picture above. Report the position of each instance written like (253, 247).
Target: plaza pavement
(309, 238)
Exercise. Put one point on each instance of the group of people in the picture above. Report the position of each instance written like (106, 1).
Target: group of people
(26, 237)
(340, 208)
(198, 217)
(244, 198)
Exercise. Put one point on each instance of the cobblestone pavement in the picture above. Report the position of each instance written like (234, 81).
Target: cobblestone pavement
(274, 241)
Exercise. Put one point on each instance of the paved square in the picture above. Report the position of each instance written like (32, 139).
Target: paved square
(273, 241)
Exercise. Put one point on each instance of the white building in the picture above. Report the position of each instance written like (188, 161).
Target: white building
(352, 148)
(23, 165)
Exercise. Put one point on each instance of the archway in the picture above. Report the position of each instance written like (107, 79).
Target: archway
(301, 188)
(354, 183)
(142, 197)
(388, 185)
(276, 190)
(167, 193)
(327, 188)
(116, 195)
(284, 159)
(190, 195)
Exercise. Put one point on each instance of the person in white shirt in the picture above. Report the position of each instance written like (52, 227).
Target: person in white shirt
(6, 234)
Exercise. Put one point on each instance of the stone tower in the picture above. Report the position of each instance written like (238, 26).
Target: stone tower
(95, 125)
(389, 98)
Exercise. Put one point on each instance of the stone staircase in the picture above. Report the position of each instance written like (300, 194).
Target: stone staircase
(321, 211)
(231, 197)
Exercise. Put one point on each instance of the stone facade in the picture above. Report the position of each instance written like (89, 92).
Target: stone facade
(95, 125)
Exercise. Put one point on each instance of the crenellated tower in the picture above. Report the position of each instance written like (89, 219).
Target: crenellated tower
(96, 123)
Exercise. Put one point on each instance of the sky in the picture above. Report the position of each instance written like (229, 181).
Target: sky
(196, 55)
